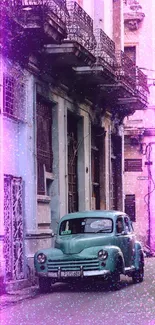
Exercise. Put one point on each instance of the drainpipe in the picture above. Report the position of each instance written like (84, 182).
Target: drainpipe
(2, 260)
(149, 212)
(148, 163)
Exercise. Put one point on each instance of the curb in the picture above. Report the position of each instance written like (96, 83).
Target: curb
(12, 298)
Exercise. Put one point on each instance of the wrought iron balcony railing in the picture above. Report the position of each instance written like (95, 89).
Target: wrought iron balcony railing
(126, 69)
(58, 7)
(105, 49)
(141, 82)
(80, 26)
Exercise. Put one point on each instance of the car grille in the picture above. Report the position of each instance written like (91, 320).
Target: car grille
(73, 265)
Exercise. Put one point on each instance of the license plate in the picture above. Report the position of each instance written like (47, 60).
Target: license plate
(53, 274)
(66, 274)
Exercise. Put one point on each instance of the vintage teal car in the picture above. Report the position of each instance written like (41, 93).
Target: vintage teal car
(91, 244)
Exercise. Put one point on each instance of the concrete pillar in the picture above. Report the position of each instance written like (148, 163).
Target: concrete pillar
(59, 187)
(98, 14)
(88, 6)
(106, 123)
(84, 170)
(27, 158)
(118, 25)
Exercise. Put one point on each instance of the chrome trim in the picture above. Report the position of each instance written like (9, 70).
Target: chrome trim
(82, 273)
(59, 272)
(100, 272)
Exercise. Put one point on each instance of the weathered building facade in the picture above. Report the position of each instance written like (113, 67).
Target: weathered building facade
(139, 151)
(66, 87)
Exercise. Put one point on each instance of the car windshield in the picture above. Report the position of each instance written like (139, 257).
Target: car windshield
(86, 225)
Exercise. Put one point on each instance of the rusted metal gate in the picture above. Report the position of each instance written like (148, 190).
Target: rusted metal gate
(72, 164)
(14, 230)
(44, 143)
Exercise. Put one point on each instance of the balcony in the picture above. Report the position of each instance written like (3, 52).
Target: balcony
(76, 48)
(133, 14)
(105, 51)
(142, 89)
(80, 26)
(101, 77)
(36, 19)
(132, 84)
(126, 71)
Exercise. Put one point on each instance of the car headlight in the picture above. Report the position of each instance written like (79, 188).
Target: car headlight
(102, 255)
(41, 258)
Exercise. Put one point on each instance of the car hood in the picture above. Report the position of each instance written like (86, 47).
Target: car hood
(74, 244)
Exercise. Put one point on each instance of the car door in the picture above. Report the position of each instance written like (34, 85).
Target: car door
(125, 239)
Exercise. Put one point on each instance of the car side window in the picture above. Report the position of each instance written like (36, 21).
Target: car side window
(127, 225)
(119, 225)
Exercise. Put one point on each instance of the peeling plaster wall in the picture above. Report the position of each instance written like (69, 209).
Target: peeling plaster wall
(144, 40)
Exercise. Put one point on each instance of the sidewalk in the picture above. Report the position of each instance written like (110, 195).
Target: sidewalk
(17, 296)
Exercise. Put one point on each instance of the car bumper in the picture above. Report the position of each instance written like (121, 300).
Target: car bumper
(66, 274)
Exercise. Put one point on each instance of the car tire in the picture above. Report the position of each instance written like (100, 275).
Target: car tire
(115, 276)
(138, 275)
(44, 285)
(115, 280)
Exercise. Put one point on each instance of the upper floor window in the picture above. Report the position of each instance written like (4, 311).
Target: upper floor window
(9, 89)
(44, 145)
(13, 97)
(133, 165)
(130, 51)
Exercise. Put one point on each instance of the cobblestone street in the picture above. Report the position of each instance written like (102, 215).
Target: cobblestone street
(132, 304)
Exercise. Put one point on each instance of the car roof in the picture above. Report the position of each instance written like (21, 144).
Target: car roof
(93, 213)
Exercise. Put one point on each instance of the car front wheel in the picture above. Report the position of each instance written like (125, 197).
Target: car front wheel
(44, 285)
(115, 280)
(138, 275)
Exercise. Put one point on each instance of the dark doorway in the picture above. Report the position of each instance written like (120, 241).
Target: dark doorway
(72, 163)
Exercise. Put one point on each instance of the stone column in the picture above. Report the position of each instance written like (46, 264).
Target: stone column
(98, 14)
(106, 123)
(28, 163)
(118, 25)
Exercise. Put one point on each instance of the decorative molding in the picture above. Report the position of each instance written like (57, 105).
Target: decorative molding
(43, 199)
(132, 19)
(39, 234)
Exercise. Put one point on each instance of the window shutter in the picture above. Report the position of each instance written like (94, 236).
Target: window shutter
(133, 165)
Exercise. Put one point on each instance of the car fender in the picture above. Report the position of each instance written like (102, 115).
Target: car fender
(50, 253)
(115, 256)
(138, 254)
(115, 259)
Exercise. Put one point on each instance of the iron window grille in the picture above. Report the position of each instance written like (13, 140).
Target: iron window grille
(44, 145)
(133, 165)
(13, 97)
(9, 89)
